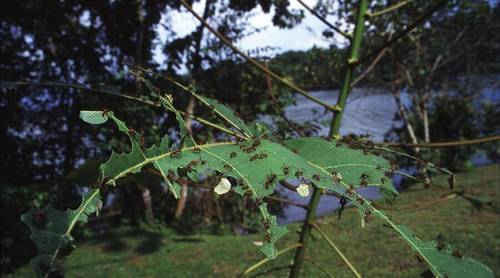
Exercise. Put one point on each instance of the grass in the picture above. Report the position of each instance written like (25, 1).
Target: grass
(375, 251)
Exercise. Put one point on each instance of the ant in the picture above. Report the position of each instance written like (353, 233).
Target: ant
(176, 153)
(364, 179)
(457, 254)
(336, 177)
(105, 112)
(258, 156)
(368, 216)
(232, 155)
(256, 143)
(286, 170)
(143, 140)
(227, 167)
(270, 180)
(299, 173)
(265, 223)
(267, 237)
(196, 149)
(350, 190)
(316, 177)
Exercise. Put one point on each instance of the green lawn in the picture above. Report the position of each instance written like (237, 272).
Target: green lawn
(376, 251)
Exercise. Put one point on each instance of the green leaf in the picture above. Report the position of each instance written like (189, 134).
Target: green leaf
(94, 117)
(446, 262)
(227, 114)
(326, 155)
(352, 166)
(256, 166)
(51, 229)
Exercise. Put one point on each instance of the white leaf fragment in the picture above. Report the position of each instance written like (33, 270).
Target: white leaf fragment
(303, 190)
(223, 187)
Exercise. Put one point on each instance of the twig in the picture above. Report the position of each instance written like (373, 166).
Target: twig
(403, 33)
(389, 9)
(257, 64)
(447, 144)
(332, 244)
(369, 68)
(82, 87)
(287, 202)
(216, 126)
(322, 19)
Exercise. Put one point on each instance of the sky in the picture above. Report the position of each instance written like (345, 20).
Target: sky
(302, 37)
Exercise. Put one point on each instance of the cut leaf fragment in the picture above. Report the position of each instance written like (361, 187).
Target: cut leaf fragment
(223, 187)
(303, 190)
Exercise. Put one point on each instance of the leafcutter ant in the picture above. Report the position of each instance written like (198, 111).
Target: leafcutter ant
(299, 173)
(457, 254)
(267, 237)
(286, 170)
(265, 223)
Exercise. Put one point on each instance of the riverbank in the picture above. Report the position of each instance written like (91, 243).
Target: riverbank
(376, 251)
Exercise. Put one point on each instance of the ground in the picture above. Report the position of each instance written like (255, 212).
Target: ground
(375, 250)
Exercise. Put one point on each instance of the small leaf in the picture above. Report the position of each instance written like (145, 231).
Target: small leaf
(223, 187)
(303, 190)
(94, 117)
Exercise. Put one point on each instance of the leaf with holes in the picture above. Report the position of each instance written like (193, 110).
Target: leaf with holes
(327, 155)
(51, 230)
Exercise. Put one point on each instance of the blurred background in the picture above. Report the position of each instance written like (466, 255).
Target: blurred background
(439, 83)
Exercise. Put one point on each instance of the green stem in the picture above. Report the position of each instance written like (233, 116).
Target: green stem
(334, 131)
(351, 64)
(305, 233)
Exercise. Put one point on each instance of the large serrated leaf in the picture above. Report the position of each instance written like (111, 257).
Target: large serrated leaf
(255, 165)
(51, 229)
(324, 155)
(355, 167)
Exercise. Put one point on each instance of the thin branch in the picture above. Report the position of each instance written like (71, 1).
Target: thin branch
(257, 64)
(287, 202)
(389, 9)
(263, 261)
(332, 244)
(216, 126)
(403, 33)
(322, 19)
(447, 144)
(369, 68)
(82, 87)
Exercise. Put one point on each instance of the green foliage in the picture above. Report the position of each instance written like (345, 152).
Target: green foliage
(441, 260)
(254, 165)
(51, 230)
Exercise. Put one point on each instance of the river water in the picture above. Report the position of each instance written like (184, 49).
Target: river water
(368, 111)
